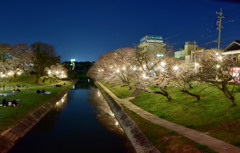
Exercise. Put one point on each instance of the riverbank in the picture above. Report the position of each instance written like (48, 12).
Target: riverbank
(134, 134)
(201, 138)
(22, 124)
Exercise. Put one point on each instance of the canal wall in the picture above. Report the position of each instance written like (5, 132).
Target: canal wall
(9, 137)
(134, 134)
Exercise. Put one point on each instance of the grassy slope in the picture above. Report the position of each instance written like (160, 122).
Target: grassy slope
(29, 101)
(166, 140)
(119, 91)
(210, 114)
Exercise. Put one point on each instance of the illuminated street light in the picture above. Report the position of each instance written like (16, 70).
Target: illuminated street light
(10, 73)
(219, 58)
(144, 66)
(175, 67)
(163, 63)
(144, 76)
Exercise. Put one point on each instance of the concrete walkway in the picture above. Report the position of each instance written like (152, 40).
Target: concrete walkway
(213, 143)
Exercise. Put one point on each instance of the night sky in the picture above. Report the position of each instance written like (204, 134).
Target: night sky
(84, 30)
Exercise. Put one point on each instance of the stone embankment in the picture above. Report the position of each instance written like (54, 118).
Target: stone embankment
(9, 137)
(134, 134)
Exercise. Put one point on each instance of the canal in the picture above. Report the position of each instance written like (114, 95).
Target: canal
(80, 122)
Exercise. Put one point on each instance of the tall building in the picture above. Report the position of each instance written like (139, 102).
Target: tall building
(73, 63)
(153, 43)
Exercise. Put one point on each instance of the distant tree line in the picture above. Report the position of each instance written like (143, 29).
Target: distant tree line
(79, 66)
(24, 58)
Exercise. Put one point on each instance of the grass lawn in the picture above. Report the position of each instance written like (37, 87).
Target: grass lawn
(29, 102)
(210, 114)
(119, 91)
(166, 140)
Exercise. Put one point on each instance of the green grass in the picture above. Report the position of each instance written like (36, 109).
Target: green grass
(210, 114)
(119, 90)
(166, 140)
(204, 115)
(29, 102)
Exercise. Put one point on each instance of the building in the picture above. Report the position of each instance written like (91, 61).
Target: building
(179, 54)
(73, 63)
(233, 49)
(189, 51)
(153, 43)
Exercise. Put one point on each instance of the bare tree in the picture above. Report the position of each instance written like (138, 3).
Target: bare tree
(5, 51)
(44, 56)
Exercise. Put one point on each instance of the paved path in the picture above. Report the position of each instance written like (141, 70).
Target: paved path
(213, 143)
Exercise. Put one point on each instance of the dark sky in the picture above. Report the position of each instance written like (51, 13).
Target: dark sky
(86, 29)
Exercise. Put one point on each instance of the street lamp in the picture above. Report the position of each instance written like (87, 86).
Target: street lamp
(219, 58)
(163, 63)
(175, 67)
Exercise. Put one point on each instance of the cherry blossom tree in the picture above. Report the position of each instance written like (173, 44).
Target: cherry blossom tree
(56, 71)
(216, 70)
(183, 76)
(152, 71)
(114, 67)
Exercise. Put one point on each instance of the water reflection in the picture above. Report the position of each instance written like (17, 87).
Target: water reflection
(103, 111)
(61, 103)
(71, 126)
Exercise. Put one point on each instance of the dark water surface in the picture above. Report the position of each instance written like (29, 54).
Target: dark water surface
(81, 122)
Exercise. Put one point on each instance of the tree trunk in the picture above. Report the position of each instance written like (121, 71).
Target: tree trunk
(130, 87)
(190, 85)
(191, 94)
(233, 101)
(164, 94)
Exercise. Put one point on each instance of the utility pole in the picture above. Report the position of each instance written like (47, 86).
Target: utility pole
(219, 24)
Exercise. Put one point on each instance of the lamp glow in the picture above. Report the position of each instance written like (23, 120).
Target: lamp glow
(175, 67)
(163, 63)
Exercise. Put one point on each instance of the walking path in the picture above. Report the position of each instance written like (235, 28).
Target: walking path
(213, 143)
